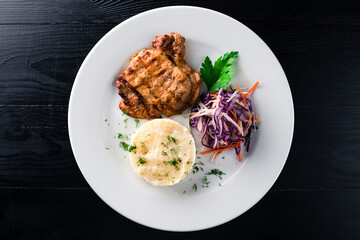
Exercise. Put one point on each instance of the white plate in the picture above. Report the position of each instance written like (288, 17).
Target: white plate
(107, 168)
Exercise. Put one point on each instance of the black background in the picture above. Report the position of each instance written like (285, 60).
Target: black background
(42, 192)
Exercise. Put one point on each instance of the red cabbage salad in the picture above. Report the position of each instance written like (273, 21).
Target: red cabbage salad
(224, 115)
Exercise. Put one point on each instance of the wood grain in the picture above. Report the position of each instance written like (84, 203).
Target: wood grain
(38, 64)
(35, 148)
(258, 11)
(80, 214)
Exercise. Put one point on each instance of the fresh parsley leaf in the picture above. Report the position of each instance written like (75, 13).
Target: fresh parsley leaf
(207, 72)
(219, 74)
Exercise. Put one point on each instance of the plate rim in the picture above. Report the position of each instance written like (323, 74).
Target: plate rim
(76, 83)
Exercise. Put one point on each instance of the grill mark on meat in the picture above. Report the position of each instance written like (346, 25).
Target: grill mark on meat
(159, 80)
(133, 102)
(171, 59)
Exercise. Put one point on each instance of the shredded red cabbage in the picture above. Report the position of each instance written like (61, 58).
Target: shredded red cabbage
(224, 119)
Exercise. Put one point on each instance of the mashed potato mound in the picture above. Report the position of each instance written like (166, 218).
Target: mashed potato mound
(165, 152)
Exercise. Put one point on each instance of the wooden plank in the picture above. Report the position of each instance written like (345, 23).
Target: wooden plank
(38, 64)
(80, 214)
(98, 11)
(7, 228)
(325, 83)
(35, 148)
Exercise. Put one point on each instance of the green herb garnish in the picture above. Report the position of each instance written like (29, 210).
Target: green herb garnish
(197, 166)
(137, 121)
(164, 153)
(173, 162)
(171, 139)
(215, 172)
(127, 147)
(174, 151)
(141, 161)
(194, 187)
(205, 181)
(219, 74)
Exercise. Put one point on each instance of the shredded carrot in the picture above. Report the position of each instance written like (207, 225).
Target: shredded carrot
(231, 146)
(222, 149)
(252, 89)
(233, 114)
(254, 118)
(215, 96)
(215, 155)
(249, 119)
(242, 96)
(212, 151)
(240, 156)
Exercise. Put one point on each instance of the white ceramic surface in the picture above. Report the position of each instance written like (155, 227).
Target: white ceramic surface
(95, 119)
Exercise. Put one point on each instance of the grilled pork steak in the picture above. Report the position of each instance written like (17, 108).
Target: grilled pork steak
(159, 80)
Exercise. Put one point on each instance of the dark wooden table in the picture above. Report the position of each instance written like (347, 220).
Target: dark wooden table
(42, 192)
